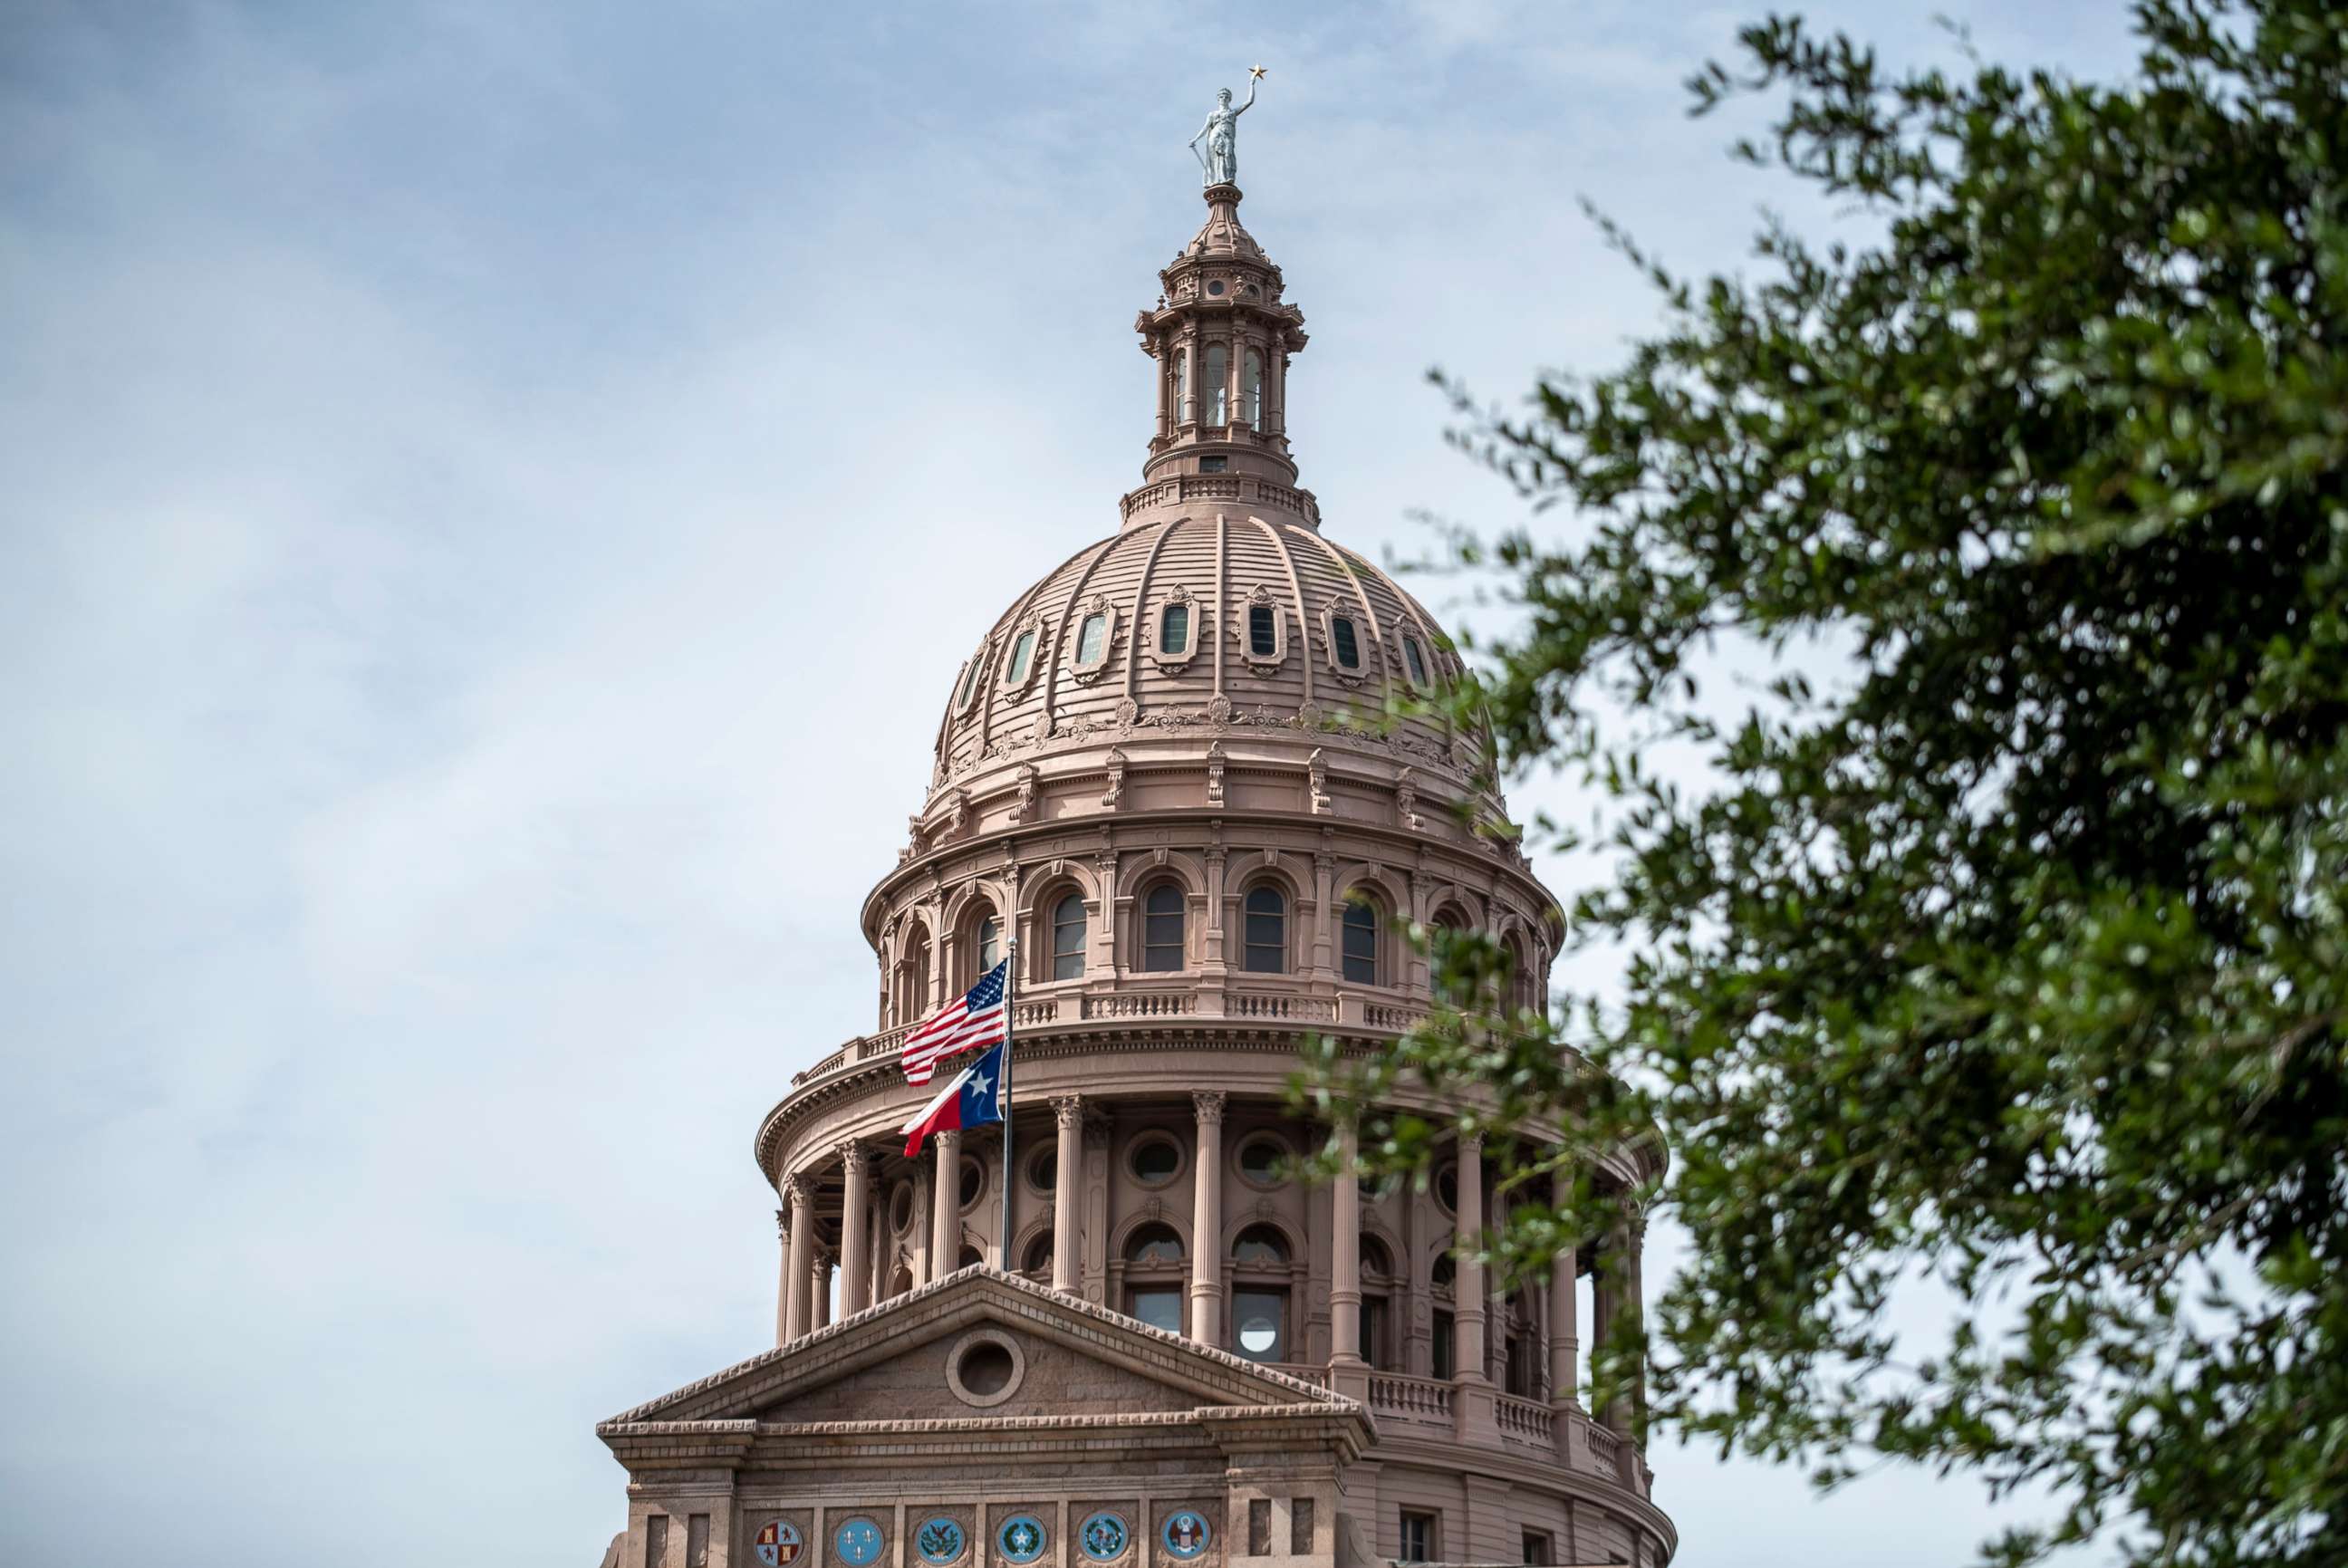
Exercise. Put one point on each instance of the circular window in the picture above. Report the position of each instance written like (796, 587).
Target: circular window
(984, 1367)
(1263, 1160)
(940, 1540)
(1215, 286)
(1185, 1533)
(778, 1543)
(901, 1207)
(1020, 1538)
(858, 1542)
(1155, 1160)
(1043, 1170)
(974, 1182)
(1259, 1335)
(1105, 1537)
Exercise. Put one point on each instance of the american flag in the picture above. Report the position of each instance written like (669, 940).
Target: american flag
(974, 1019)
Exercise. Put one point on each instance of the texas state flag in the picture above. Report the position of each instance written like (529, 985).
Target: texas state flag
(972, 1100)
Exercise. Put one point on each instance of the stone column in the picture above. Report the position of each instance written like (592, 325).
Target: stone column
(1634, 1306)
(1564, 1345)
(1602, 1319)
(1495, 1337)
(1324, 913)
(801, 1199)
(1066, 1262)
(783, 1271)
(1475, 1409)
(1207, 1220)
(945, 1207)
(1469, 1304)
(855, 1267)
(1347, 1370)
(820, 1290)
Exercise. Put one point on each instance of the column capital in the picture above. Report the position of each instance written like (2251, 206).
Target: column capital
(853, 1155)
(1471, 1143)
(782, 1225)
(1209, 1105)
(1068, 1109)
(798, 1190)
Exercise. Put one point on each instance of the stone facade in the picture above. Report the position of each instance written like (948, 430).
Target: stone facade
(1180, 775)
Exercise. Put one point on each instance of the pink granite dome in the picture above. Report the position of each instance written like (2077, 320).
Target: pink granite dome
(1164, 625)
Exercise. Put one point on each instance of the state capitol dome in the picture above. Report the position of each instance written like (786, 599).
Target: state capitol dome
(1181, 781)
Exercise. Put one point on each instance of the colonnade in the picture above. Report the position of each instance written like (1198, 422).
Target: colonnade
(804, 1294)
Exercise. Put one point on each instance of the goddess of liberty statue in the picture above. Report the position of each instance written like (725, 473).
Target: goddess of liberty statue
(1221, 161)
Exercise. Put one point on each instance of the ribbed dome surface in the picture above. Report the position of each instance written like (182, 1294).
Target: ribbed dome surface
(1089, 651)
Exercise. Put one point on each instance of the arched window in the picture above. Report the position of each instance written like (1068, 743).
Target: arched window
(1174, 629)
(1162, 930)
(990, 947)
(1360, 937)
(1344, 642)
(1377, 1304)
(1153, 1277)
(1217, 387)
(1264, 631)
(1522, 988)
(1415, 658)
(1252, 390)
(1037, 1259)
(1183, 412)
(969, 680)
(1022, 654)
(1261, 1245)
(1069, 938)
(1259, 1259)
(1090, 638)
(1153, 1243)
(1267, 930)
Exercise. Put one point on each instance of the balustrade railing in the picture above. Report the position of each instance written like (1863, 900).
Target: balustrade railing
(1284, 1004)
(1527, 1420)
(1605, 1449)
(1411, 1398)
(1142, 1004)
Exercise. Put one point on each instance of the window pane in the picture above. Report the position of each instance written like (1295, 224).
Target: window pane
(990, 944)
(1373, 1331)
(1361, 944)
(969, 680)
(1260, 1324)
(1263, 637)
(1021, 652)
(1154, 1243)
(1443, 1360)
(1158, 1308)
(1260, 1245)
(1217, 387)
(1252, 388)
(1089, 639)
(1267, 932)
(1416, 659)
(1068, 939)
(1349, 651)
(1174, 630)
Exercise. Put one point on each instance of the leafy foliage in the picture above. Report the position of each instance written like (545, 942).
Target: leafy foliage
(2016, 960)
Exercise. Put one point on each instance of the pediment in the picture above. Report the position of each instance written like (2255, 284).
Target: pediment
(1028, 1352)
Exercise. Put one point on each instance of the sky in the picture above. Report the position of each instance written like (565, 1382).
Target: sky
(495, 497)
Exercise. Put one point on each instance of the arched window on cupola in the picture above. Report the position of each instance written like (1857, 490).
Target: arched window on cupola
(1183, 412)
(1252, 390)
(1161, 929)
(1217, 387)
(1069, 938)
(1359, 939)
(1265, 928)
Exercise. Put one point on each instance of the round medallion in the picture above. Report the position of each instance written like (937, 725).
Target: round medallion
(1185, 1533)
(777, 1544)
(857, 1543)
(939, 1540)
(1021, 1538)
(1105, 1537)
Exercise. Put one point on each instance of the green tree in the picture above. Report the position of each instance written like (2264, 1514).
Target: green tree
(2012, 958)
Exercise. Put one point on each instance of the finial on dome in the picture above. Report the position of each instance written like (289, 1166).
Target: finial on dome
(1220, 161)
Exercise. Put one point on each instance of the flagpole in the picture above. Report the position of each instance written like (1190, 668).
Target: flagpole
(1011, 970)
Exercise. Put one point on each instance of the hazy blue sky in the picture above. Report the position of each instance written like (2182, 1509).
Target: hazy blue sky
(494, 497)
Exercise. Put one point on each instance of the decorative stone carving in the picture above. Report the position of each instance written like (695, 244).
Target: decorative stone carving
(1316, 773)
(1219, 709)
(1068, 1109)
(1215, 758)
(1407, 800)
(1022, 809)
(1209, 1105)
(1113, 797)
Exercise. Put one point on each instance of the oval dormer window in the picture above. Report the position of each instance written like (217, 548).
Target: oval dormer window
(969, 680)
(1022, 654)
(1263, 631)
(1089, 638)
(1416, 658)
(1344, 642)
(1174, 629)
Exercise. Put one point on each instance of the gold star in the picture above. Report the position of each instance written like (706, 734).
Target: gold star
(1255, 73)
